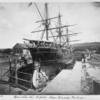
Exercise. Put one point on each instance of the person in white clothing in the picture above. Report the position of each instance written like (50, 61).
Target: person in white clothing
(39, 77)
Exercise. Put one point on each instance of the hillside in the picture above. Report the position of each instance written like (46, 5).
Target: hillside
(84, 46)
(78, 49)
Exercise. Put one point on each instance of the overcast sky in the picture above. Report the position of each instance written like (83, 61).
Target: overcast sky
(17, 21)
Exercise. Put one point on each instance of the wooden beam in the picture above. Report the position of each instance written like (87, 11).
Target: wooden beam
(46, 19)
(53, 28)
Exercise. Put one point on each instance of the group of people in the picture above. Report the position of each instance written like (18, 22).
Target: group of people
(42, 44)
(85, 57)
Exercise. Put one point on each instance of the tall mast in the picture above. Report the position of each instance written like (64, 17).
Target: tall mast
(67, 38)
(46, 20)
(60, 33)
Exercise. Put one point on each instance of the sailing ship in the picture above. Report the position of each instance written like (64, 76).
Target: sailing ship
(45, 54)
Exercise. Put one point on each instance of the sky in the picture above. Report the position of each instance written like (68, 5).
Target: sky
(18, 20)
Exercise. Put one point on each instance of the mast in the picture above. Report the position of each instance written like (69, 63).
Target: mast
(67, 36)
(67, 40)
(46, 20)
(60, 33)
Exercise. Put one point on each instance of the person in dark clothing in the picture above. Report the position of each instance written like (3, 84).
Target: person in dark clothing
(83, 57)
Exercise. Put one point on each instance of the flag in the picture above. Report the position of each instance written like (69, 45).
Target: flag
(29, 4)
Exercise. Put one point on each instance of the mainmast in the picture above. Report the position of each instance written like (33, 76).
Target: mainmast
(67, 36)
(46, 20)
(60, 32)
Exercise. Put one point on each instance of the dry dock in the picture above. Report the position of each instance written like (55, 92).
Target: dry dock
(66, 82)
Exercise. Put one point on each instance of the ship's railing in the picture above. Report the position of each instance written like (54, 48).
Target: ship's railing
(22, 81)
(14, 79)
